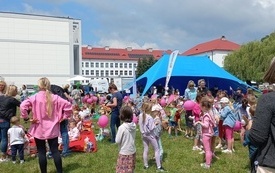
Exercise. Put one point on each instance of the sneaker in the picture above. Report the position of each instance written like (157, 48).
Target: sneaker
(202, 152)
(227, 151)
(146, 167)
(22, 161)
(224, 147)
(14, 162)
(205, 166)
(218, 146)
(161, 169)
(4, 160)
(196, 148)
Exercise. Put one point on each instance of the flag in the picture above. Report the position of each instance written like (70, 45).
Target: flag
(134, 84)
(172, 60)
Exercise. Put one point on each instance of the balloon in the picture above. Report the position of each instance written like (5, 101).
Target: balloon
(103, 121)
(135, 119)
(94, 98)
(162, 102)
(171, 98)
(89, 100)
(188, 105)
(84, 100)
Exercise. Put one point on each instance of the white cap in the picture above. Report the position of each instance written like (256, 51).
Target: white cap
(224, 100)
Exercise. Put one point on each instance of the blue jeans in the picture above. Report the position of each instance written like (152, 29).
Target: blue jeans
(4, 127)
(64, 136)
(115, 123)
(20, 149)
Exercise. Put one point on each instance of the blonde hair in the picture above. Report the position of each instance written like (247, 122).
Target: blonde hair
(11, 90)
(5, 86)
(269, 75)
(44, 84)
(191, 83)
(14, 120)
(146, 109)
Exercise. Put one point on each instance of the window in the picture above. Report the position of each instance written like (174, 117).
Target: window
(92, 65)
(82, 72)
(92, 72)
(125, 65)
(120, 72)
(120, 65)
(97, 64)
(101, 72)
(130, 73)
(107, 73)
(111, 65)
(111, 73)
(86, 64)
(116, 65)
(102, 65)
(86, 72)
(97, 72)
(87, 81)
(135, 65)
(107, 65)
(82, 64)
(116, 72)
(130, 65)
(125, 73)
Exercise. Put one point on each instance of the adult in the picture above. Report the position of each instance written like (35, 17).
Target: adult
(76, 95)
(24, 93)
(3, 87)
(115, 104)
(8, 107)
(237, 96)
(202, 87)
(190, 92)
(48, 111)
(262, 132)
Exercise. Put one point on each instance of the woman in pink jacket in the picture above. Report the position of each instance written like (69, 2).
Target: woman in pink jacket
(48, 110)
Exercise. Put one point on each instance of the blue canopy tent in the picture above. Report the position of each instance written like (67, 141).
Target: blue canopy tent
(188, 68)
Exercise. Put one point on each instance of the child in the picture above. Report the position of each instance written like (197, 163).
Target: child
(125, 138)
(16, 137)
(73, 131)
(156, 114)
(172, 122)
(147, 127)
(196, 113)
(207, 124)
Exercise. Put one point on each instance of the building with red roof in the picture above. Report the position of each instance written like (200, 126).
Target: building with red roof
(216, 49)
(115, 64)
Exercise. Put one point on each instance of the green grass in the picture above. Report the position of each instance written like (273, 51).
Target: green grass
(178, 158)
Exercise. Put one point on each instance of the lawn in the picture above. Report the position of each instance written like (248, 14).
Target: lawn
(178, 158)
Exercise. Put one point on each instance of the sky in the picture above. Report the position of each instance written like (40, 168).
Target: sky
(158, 24)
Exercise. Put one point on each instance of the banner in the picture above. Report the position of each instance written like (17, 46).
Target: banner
(171, 63)
(134, 84)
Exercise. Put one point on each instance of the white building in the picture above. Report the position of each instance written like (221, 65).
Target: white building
(216, 50)
(115, 65)
(34, 46)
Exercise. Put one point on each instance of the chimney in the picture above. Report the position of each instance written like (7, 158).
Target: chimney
(107, 48)
(129, 49)
(223, 38)
(150, 49)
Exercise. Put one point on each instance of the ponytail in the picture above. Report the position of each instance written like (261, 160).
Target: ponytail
(49, 107)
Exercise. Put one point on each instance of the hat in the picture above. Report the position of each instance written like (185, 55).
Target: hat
(224, 100)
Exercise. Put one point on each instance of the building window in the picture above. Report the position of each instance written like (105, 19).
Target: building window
(92, 72)
(130, 73)
(135, 65)
(125, 65)
(92, 65)
(102, 65)
(130, 65)
(107, 65)
(116, 65)
(82, 72)
(86, 72)
(125, 73)
(87, 81)
(82, 64)
(101, 72)
(120, 65)
(86, 64)
(111, 72)
(111, 65)
(107, 73)
(97, 72)
(120, 72)
(96, 64)
(116, 72)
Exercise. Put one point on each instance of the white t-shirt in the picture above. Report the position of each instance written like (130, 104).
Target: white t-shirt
(16, 135)
(74, 134)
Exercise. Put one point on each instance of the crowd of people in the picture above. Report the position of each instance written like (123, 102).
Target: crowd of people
(57, 116)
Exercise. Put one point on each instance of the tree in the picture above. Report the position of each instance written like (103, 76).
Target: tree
(252, 59)
(144, 64)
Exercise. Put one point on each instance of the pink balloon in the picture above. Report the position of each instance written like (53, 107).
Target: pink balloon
(94, 98)
(135, 119)
(89, 100)
(188, 105)
(103, 121)
(84, 100)
(163, 102)
(171, 98)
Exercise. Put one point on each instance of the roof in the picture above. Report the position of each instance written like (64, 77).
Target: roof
(219, 44)
(107, 53)
(37, 15)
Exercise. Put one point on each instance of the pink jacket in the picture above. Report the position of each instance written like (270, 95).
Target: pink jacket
(45, 128)
(207, 125)
(196, 111)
